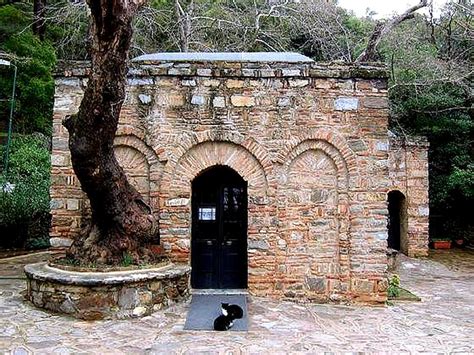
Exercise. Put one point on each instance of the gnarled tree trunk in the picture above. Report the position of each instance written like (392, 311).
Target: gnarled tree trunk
(121, 222)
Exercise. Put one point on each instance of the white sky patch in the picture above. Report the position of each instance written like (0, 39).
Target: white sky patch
(386, 8)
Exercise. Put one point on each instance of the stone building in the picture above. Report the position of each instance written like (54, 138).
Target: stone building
(269, 171)
(408, 195)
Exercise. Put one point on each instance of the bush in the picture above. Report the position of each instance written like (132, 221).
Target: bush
(394, 287)
(24, 210)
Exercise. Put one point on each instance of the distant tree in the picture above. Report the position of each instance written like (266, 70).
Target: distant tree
(67, 25)
(35, 60)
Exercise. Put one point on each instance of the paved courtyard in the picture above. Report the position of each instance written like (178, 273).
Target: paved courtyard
(442, 322)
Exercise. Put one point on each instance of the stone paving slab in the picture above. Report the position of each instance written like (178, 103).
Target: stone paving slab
(442, 323)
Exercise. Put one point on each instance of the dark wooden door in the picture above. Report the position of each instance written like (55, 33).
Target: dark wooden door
(219, 230)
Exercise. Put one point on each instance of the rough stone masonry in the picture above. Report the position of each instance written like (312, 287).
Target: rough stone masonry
(310, 139)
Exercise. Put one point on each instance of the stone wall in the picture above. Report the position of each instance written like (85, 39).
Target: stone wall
(408, 171)
(310, 140)
(103, 295)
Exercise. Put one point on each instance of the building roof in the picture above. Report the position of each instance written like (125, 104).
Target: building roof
(287, 57)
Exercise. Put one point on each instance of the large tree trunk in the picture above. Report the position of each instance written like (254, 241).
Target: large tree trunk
(121, 223)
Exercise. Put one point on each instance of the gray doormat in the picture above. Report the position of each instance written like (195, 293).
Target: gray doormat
(205, 308)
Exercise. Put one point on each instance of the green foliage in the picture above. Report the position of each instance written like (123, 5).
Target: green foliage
(127, 259)
(12, 22)
(358, 30)
(35, 61)
(393, 290)
(67, 260)
(24, 212)
(462, 180)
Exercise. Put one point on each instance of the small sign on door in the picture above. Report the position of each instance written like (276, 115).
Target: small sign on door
(207, 213)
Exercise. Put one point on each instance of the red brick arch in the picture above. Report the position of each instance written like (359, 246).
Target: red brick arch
(154, 165)
(179, 174)
(331, 137)
(342, 162)
(138, 144)
(329, 150)
(185, 142)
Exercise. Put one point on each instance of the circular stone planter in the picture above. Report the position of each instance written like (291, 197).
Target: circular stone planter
(106, 295)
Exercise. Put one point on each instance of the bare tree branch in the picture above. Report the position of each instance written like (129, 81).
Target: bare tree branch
(184, 24)
(381, 30)
(449, 109)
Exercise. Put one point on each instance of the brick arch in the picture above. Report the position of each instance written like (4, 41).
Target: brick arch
(136, 167)
(185, 142)
(155, 165)
(325, 135)
(138, 144)
(130, 130)
(329, 150)
(200, 157)
(317, 213)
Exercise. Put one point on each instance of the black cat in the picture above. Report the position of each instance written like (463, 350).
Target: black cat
(223, 322)
(226, 320)
(232, 310)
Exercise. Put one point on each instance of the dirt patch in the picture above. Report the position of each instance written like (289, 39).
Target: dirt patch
(68, 265)
(9, 253)
(461, 260)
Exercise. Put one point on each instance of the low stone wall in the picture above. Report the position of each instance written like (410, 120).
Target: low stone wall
(106, 295)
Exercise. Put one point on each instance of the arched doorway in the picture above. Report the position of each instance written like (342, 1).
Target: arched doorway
(219, 229)
(397, 221)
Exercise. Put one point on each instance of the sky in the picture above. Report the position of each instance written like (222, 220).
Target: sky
(384, 8)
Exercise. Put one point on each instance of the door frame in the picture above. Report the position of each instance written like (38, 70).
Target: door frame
(397, 206)
(219, 210)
